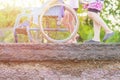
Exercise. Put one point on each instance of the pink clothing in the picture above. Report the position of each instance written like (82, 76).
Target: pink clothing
(98, 5)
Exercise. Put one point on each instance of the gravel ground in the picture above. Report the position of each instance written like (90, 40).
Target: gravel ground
(64, 70)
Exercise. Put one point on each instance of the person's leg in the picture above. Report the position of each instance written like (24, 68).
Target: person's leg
(96, 29)
(96, 38)
(68, 21)
(65, 20)
(71, 22)
(95, 17)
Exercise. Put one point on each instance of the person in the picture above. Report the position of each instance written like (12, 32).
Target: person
(94, 8)
(68, 18)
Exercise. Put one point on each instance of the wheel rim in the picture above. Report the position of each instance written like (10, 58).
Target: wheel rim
(62, 40)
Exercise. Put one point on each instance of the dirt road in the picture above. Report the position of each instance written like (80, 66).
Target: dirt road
(65, 70)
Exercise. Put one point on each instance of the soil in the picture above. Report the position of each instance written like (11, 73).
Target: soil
(60, 70)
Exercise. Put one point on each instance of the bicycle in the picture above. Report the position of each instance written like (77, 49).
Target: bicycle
(49, 23)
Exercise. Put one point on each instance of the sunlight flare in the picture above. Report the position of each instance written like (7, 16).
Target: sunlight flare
(19, 3)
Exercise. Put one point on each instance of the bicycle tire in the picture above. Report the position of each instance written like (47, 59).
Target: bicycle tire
(42, 28)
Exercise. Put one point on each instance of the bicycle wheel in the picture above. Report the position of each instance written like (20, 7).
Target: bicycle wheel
(55, 24)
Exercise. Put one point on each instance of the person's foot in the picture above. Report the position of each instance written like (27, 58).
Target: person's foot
(92, 42)
(107, 36)
(72, 41)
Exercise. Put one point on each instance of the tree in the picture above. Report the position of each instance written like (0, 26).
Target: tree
(111, 14)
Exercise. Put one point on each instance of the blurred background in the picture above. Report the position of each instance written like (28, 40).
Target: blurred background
(9, 9)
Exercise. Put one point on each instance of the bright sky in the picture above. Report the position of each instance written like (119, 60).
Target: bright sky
(20, 3)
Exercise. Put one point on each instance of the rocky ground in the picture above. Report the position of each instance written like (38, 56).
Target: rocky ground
(60, 70)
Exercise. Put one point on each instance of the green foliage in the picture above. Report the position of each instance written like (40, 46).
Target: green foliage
(85, 31)
(6, 36)
(8, 16)
(111, 14)
(115, 38)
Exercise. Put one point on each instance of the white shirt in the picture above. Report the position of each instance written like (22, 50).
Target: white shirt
(73, 3)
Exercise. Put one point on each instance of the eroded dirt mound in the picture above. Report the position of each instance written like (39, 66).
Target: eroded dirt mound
(64, 70)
